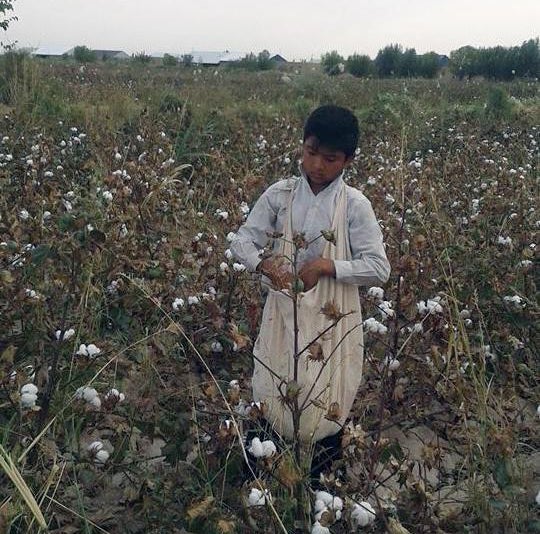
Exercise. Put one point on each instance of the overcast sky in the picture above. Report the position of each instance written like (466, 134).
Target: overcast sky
(294, 28)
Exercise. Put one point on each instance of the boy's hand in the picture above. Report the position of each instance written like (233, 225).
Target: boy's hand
(314, 269)
(277, 272)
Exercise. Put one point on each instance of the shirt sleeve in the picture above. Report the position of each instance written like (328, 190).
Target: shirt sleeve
(369, 264)
(253, 234)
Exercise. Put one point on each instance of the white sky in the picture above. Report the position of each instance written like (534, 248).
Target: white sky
(294, 28)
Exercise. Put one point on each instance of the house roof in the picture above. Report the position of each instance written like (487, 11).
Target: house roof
(214, 58)
(51, 51)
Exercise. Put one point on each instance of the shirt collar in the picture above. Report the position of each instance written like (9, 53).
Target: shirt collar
(331, 187)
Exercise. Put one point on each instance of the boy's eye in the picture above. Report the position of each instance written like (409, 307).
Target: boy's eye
(330, 159)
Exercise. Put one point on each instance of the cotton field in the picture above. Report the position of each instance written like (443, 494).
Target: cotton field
(128, 326)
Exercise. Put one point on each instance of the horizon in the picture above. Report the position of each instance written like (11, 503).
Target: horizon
(184, 27)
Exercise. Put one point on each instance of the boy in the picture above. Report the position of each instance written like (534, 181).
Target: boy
(330, 270)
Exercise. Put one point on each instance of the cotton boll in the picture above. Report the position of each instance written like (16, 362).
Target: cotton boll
(223, 267)
(29, 389)
(256, 448)
(258, 497)
(317, 528)
(239, 267)
(95, 446)
(337, 504)
(178, 303)
(230, 236)
(115, 394)
(67, 334)
(82, 350)
(374, 326)
(92, 350)
(325, 497)
(538, 498)
(363, 514)
(95, 402)
(376, 293)
(192, 301)
(319, 506)
(269, 448)
(28, 400)
(216, 347)
(101, 457)
(88, 394)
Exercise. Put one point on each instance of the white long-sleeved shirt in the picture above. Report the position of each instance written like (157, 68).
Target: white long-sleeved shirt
(311, 214)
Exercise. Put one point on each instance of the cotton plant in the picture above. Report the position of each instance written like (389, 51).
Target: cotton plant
(327, 509)
(90, 351)
(372, 326)
(115, 396)
(262, 449)
(514, 302)
(239, 267)
(28, 397)
(259, 497)
(178, 303)
(97, 450)
(391, 364)
(67, 334)
(376, 293)
(430, 306)
(89, 395)
(362, 514)
(386, 310)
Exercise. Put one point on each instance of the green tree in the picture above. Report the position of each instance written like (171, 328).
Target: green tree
(263, 61)
(142, 57)
(408, 63)
(332, 63)
(388, 60)
(427, 65)
(169, 60)
(6, 6)
(83, 54)
(187, 60)
(359, 65)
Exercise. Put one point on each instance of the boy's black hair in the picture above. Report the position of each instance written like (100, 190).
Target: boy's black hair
(334, 127)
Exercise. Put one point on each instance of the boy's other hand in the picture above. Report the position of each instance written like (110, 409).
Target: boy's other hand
(314, 269)
(276, 271)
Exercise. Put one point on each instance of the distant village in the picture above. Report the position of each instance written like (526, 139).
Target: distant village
(197, 57)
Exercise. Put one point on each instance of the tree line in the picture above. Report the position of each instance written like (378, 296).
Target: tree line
(498, 63)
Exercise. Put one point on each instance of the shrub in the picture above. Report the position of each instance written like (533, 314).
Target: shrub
(332, 63)
(142, 57)
(83, 54)
(169, 60)
(498, 105)
(359, 65)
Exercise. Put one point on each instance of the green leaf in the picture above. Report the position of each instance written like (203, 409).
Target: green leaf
(502, 472)
(66, 222)
(41, 253)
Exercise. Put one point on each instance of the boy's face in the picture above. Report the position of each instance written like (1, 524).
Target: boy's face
(322, 164)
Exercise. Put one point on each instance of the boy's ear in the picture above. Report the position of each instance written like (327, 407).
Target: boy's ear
(348, 161)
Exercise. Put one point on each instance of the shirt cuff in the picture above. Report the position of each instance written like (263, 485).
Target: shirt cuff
(252, 260)
(343, 270)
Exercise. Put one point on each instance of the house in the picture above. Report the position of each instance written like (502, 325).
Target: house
(106, 55)
(51, 51)
(214, 58)
(277, 58)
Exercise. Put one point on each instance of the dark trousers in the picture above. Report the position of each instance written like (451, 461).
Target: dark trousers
(325, 451)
